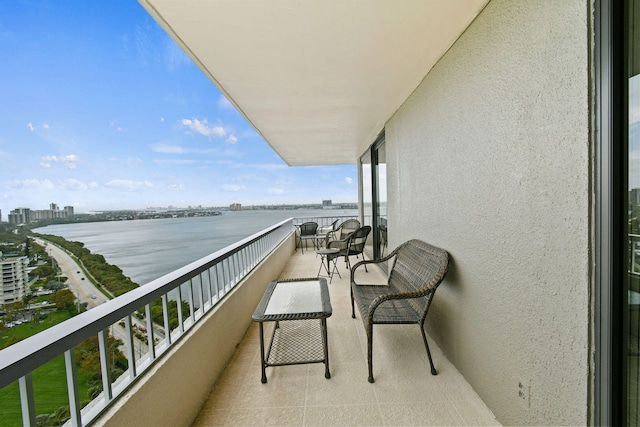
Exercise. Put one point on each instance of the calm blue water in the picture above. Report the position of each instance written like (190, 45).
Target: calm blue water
(148, 249)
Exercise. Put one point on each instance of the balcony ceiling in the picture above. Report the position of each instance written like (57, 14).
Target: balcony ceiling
(317, 79)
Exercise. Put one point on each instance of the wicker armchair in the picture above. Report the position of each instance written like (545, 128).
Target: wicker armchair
(351, 245)
(323, 231)
(306, 232)
(342, 231)
(416, 271)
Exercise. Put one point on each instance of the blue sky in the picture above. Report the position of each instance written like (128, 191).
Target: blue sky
(99, 109)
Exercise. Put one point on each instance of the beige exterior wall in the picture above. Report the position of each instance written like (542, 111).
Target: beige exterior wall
(490, 160)
(177, 386)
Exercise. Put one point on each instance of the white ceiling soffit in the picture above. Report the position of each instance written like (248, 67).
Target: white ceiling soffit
(317, 79)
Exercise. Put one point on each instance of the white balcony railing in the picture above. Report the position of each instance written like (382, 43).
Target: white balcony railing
(205, 282)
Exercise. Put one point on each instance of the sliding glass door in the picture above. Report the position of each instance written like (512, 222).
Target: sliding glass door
(373, 185)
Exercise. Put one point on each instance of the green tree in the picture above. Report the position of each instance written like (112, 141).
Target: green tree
(44, 271)
(64, 299)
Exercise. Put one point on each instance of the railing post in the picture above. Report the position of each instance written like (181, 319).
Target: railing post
(103, 342)
(27, 401)
(167, 325)
(192, 313)
(131, 356)
(201, 295)
(150, 340)
(72, 387)
(180, 321)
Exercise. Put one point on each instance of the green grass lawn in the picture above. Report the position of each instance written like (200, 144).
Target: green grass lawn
(49, 389)
(27, 329)
(49, 380)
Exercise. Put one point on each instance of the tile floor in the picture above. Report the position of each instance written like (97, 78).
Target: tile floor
(404, 393)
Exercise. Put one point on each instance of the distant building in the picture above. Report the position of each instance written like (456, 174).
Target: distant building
(327, 204)
(14, 282)
(235, 207)
(634, 196)
(20, 216)
(26, 215)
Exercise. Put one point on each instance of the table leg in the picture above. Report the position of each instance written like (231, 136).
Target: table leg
(325, 344)
(321, 264)
(262, 362)
(328, 268)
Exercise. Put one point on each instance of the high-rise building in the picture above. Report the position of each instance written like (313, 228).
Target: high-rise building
(26, 215)
(235, 207)
(14, 282)
(20, 216)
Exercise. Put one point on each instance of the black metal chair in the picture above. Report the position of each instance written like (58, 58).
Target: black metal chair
(342, 231)
(306, 232)
(323, 231)
(352, 244)
(357, 241)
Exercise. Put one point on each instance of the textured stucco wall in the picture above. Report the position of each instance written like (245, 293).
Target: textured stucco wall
(489, 159)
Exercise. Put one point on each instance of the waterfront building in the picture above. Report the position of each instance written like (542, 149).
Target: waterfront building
(20, 216)
(235, 207)
(26, 215)
(14, 282)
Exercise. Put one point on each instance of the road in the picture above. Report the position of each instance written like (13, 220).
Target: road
(78, 282)
(86, 291)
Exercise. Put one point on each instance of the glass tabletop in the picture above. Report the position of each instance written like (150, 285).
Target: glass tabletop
(295, 297)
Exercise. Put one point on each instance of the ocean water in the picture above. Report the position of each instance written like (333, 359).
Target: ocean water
(148, 249)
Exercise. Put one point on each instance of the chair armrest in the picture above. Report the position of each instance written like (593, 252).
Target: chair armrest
(337, 244)
(369, 261)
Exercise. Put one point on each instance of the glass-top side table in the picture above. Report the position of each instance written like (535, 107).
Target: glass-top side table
(300, 308)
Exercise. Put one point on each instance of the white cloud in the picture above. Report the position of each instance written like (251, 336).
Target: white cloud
(46, 126)
(30, 126)
(178, 162)
(31, 184)
(268, 166)
(232, 139)
(223, 102)
(179, 149)
(170, 149)
(114, 124)
(73, 185)
(348, 180)
(175, 187)
(174, 56)
(203, 128)
(93, 185)
(128, 185)
(70, 161)
(230, 187)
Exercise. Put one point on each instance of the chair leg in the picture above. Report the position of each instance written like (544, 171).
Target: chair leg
(370, 351)
(424, 337)
(353, 309)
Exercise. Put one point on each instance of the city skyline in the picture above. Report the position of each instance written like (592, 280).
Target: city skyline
(102, 111)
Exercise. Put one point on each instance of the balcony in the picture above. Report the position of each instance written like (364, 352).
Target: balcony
(206, 371)
(405, 392)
